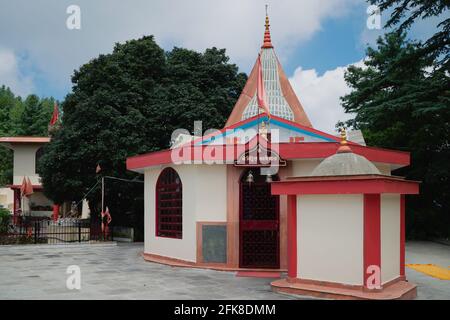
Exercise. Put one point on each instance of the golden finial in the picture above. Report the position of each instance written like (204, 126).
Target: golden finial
(267, 17)
(344, 147)
(343, 136)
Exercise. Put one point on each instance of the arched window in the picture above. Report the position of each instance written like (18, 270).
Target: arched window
(38, 156)
(169, 205)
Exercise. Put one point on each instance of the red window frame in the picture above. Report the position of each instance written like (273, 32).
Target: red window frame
(169, 205)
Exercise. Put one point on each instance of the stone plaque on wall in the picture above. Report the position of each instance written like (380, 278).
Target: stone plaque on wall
(214, 243)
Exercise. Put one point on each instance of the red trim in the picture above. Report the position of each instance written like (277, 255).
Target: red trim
(24, 139)
(305, 150)
(346, 185)
(17, 186)
(372, 233)
(292, 235)
(402, 235)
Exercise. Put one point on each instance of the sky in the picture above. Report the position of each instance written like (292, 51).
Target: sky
(315, 40)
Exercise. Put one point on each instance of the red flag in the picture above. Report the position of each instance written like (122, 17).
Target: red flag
(55, 115)
(260, 90)
(108, 216)
(29, 189)
(23, 186)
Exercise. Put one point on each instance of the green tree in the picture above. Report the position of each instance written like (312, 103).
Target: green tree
(404, 13)
(129, 102)
(7, 102)
(402, 101)
(31, 117)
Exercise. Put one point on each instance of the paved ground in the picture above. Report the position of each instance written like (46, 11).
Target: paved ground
(428, 252)
(119, 272)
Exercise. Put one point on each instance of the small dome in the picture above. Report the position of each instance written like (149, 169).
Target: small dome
(345, 163)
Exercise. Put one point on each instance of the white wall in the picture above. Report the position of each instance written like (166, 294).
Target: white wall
(211, 195)
(330, 238)
(204, 199)
(390, 237)
(25, 163)
(7, 198)
(304, 167)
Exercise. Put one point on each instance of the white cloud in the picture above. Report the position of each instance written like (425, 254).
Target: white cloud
(319, 95)
(11, 76)
(39, 28)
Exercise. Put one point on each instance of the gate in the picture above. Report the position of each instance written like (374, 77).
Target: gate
(44, 231)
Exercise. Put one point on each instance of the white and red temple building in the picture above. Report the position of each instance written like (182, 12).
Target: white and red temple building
(270, 192)
(26, 154)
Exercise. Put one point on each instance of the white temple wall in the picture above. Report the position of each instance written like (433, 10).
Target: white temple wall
(185, 248)
(204, 199)
(330, 230)
(390, 237)
(25, 163)
(304, 167)
(211, 193)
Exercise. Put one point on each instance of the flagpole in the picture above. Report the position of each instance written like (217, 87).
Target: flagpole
(103, 194)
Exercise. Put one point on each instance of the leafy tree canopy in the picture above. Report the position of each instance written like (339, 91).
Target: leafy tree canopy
(129, 102)
(402, 102)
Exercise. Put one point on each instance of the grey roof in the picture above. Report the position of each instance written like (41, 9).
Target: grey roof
(341, 164)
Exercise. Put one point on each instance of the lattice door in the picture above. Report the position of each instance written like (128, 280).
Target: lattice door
(259, 225)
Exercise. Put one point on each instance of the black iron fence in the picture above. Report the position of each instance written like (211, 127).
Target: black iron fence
(31, 230)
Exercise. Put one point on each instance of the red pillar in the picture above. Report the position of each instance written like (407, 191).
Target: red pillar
(402, 235)
(55, 212)
(15, 203)
(372, 233)
(292, 235)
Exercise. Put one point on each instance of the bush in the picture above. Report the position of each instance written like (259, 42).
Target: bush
(5, 219)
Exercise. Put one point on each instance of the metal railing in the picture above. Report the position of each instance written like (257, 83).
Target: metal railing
(45, 231)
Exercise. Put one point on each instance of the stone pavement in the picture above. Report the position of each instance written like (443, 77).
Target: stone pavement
(115, 272)
(119, 272)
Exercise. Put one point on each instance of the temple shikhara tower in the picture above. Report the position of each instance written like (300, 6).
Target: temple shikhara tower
(268, 192)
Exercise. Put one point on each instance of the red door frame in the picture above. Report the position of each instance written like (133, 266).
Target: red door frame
(257, 225)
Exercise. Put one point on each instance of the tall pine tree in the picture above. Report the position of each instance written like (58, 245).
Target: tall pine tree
(402, 101)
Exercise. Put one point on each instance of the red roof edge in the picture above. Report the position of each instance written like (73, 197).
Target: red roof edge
(24, 139)
(288, 151)
(361, 184)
